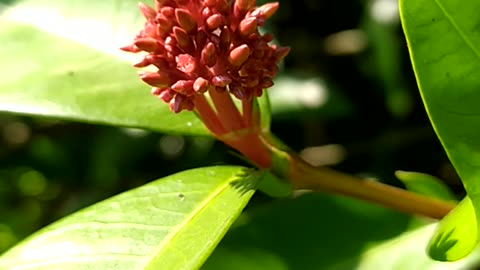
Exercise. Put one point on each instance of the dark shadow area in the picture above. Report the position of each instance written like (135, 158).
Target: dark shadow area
(440, 248)
(314, 231)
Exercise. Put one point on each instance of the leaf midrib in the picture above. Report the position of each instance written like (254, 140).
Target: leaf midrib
(457, 28)
(161, 247)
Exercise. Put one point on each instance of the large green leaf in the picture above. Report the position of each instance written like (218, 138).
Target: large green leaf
(444, 45)
(61, 59)
(171, 223)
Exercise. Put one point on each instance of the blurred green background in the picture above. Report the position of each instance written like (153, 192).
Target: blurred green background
(346, 97)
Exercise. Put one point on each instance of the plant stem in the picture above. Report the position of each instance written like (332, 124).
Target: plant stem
(304, 176)
(226, 110)
(247, 110)
(208, 116)
(251, 146)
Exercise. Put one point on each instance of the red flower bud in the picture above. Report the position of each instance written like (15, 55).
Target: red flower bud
(239, 55)
(185, 20)
(200, 45)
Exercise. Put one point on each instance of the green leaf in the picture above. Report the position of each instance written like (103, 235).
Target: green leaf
(263, 104)
(456, 235)
(171, 223)
(444, 46)
(426, 185)
(61, 59)
(407, 252)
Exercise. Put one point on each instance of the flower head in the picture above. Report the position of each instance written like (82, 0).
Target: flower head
(214, 46)
(201, 46)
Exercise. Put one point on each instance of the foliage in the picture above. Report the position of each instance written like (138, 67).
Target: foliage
(61, 63)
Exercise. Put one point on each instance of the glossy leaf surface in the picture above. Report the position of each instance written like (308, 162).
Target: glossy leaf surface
(444, 46)
(61, 59)
(171, 223)
(456, 235)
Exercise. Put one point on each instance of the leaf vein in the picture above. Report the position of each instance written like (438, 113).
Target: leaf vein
(458, 29)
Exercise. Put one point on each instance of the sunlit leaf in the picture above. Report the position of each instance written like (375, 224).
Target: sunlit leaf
(408, 252)
(444, 46)
(456, 234)
(171, 223)
(61, 59)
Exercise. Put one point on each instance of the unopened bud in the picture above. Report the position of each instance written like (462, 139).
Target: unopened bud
(166, 94)
(184, 87)
(131, 48)
(184, 41)
(237, 90)
(148, 12)
(221, 80)
(158, 61)
(210, 3)
(159, 4)
(244, 5)
(225, 39)
(164, 25)
(248, 26)
(281, 53)
(185, 20)
(168, 12)
(146, 44)
(201, 85)
(157, 79)
(215, 21)
(266, 11)
(222, 6)
(266, 83)
(145, 62)
(209, 55)
(176, 103)
(239, 55)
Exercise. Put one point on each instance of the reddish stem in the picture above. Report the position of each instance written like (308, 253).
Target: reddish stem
(252, 147)
(247, 110)
(226, 110)
(208, 116)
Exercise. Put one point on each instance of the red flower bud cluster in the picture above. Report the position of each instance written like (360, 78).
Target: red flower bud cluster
(202, 46)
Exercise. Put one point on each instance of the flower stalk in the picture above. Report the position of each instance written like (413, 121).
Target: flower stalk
(208, 51)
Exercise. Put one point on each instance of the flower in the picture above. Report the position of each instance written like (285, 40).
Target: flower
(214, 47)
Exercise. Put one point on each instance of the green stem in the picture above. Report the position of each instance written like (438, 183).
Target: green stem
(304, 176)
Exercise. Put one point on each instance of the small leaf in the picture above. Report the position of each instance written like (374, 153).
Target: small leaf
(456, 235)
(171, 223)
(425, 184)
(61, 59)
(407, 252)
